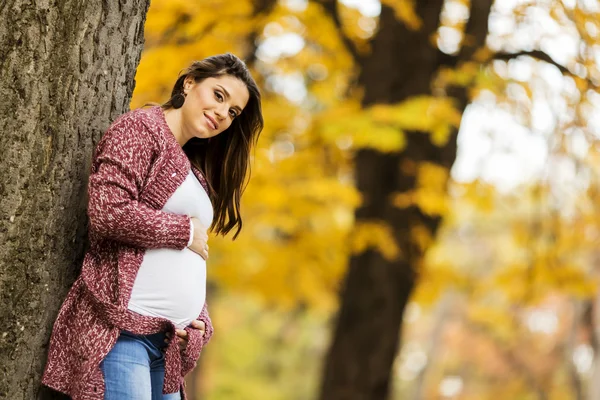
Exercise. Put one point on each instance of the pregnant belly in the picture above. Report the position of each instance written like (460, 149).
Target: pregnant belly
(170, 284)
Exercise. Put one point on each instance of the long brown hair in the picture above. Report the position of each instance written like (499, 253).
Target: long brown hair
(224, 159)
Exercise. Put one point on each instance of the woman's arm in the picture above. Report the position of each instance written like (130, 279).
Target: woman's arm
(122, 161)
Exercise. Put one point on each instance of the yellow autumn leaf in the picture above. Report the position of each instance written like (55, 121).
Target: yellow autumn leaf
(405, 12)
(374, 235)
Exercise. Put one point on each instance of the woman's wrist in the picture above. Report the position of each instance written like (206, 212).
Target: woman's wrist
(191, 233)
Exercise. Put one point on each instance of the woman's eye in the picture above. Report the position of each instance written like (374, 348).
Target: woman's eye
(219, 96)
(232, 113)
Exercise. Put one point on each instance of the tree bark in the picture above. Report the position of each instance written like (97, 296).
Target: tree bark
(67, 70)
(375, 292)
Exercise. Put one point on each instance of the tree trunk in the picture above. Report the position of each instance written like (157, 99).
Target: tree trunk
(376, 291)
(570, 346)
(67, 69)
(594, 377)
(443, 313)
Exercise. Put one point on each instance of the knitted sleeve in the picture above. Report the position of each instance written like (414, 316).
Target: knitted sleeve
(121, 163)
(196, 342)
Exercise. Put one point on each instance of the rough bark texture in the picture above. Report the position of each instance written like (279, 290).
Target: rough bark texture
(367, 336)
(66, 70)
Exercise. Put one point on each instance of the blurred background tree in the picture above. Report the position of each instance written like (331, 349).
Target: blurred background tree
(479, 246)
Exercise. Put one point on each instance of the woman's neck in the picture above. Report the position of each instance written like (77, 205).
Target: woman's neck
(173, 118)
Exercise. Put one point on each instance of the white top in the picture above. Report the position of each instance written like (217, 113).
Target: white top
(179, 295)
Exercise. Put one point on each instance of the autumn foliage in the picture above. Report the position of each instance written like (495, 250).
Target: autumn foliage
(505, 302)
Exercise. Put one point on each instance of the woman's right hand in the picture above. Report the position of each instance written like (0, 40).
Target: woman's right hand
(200, 240)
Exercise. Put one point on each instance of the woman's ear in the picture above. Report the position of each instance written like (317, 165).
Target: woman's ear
(187, 84)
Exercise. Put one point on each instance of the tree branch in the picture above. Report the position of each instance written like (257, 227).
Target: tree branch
(542, 56)
(476, 30)
(331, 8)
(537, 54)
(475, 34)
(262, 7)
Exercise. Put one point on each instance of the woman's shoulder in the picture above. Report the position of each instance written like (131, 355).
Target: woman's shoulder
(140, 123)
(140, 118)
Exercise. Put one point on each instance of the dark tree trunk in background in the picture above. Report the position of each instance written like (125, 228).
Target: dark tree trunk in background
(66, 70)
(367, 336)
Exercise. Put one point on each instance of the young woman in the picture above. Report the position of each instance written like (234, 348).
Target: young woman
(160, 177)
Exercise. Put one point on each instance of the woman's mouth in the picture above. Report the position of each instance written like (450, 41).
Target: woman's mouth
(211, 122)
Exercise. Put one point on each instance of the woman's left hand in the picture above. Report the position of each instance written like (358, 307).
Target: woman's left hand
(182, 335)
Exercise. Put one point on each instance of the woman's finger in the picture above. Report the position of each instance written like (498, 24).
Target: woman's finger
(198, 324)
(182, 333)
(183, 343)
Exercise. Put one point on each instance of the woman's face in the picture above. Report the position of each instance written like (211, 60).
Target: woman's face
(211, 105)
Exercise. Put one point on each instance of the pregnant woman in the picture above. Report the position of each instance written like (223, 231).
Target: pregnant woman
(135, 320)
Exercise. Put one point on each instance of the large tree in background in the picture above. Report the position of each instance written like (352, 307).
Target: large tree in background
(66, 70)
(402, 64)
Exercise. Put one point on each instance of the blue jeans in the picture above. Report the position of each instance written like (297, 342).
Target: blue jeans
(135, 368)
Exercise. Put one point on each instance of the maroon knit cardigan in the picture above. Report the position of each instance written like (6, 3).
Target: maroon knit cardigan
(136, 167)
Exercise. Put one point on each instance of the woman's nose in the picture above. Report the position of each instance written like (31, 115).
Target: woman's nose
(221, 112)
